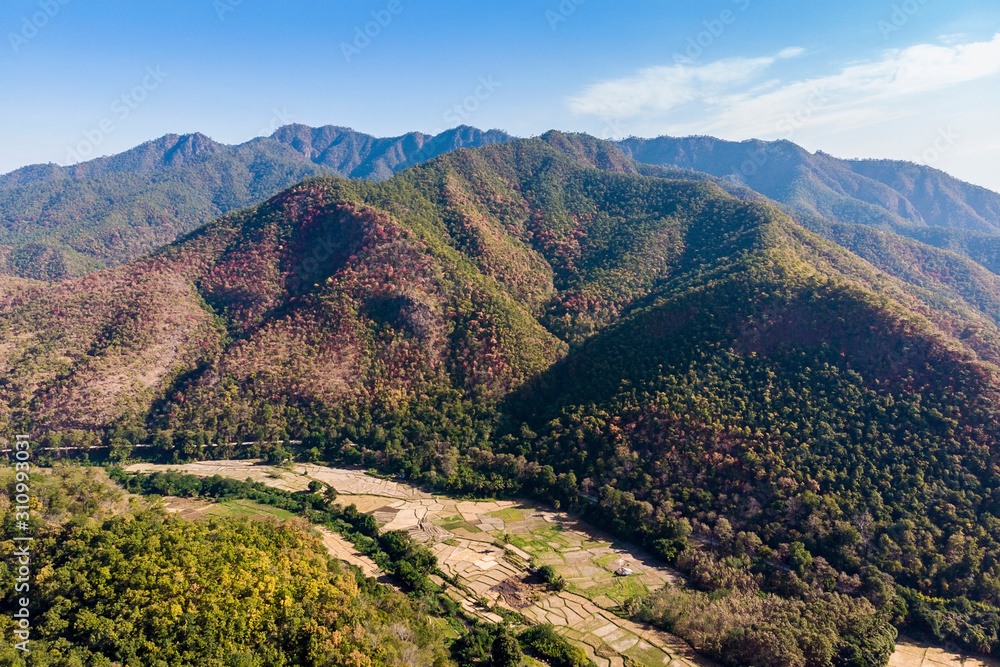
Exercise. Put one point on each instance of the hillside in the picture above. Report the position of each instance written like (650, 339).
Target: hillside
(122, 581)
(876, 192)
(57, 222)
(919, 202)
(514, 318)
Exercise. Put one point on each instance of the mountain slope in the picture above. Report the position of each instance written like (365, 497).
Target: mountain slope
(63, 221)
(885, 193)
(514, 318)
(941, 200)
(209, 591)
(919, 202)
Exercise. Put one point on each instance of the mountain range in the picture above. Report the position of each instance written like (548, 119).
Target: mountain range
(61, 221)
(913, 200)
(670, 350)
(57, 222)
(882, 193)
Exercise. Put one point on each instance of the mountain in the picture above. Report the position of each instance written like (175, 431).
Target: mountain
(913, 200)
(355, 155)
(885, 193)
(57, 222)
(548, 316)
(66, 221)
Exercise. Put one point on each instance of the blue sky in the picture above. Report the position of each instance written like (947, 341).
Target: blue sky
(906, 79)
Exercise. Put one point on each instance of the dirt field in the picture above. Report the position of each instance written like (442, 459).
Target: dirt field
(911, 653)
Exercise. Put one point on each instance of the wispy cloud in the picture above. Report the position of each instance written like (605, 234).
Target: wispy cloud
(732, 97)
(658, 90)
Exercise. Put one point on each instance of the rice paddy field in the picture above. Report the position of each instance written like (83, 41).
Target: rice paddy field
(493, 547)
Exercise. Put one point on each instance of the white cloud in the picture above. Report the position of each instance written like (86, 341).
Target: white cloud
(660, 89)
(791, 52)
(893, 106)
(730, 101)
(953, 38)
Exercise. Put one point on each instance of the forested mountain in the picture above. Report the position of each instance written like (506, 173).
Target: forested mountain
(57, 222)
(547, 316)
(885, 193)
(919, 202)
(64, 221)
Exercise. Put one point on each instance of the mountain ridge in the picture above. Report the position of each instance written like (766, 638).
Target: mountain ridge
(114, 209)
(822, 184)
(62, 221)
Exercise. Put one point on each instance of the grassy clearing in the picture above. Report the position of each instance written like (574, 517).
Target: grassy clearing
(453, 525)
(606, 561)
(594, 544)
(618, 589)
(540, 543)
(509, 515)
(645, 655)
(246, 508)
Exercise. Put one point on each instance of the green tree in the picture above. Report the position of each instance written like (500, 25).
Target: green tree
(506, 652)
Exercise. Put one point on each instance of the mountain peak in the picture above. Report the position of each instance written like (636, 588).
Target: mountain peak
(189, 146)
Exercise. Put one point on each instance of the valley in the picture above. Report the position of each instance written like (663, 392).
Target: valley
(487, 546)
(469, 334)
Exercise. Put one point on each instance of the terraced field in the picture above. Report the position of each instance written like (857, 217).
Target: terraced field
(489, 545)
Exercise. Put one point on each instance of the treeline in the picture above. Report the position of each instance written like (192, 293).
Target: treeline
(126, 583)
(737, 622)
(144, 588)
(795, 616)
(490, 645)
(843, 539)
(393, 551)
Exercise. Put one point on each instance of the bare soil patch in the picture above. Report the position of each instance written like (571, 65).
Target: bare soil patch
(520, 592)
